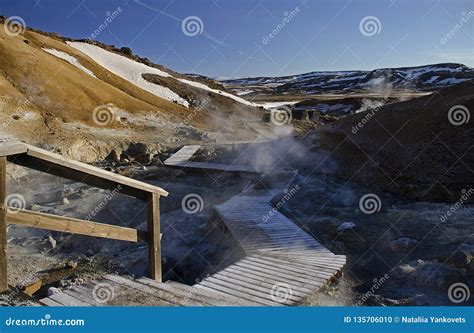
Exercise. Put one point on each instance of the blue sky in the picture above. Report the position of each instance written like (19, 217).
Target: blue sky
(234, 37)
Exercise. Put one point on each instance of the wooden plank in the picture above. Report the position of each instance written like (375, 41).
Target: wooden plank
(199, 295)
(67, 300)
(142, 288)
(154, 239)
(302, 286)
(255, 284)
(58, 165)
(303, 264)
(3, 225)
(49, 302)
(190, 296)
(39, 220)
(221, 298)
(83, 295)
(244, 288)
(12, 148)
(227, 289)
(289, 267)
(283, 274)
(257, 276)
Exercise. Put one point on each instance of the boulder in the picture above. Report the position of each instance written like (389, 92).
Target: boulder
(337, 247)
(464, 258)
(403, 244)
(144, 158)
(430, 274)
(114, 156)
(134, 149)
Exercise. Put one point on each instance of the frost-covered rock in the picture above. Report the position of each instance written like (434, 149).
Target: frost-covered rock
(403, 244)
(346, 226)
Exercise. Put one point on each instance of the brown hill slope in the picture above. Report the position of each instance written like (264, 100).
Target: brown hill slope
(46, 100)
(414, 148)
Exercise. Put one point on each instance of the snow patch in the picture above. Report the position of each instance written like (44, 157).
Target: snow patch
(129, 70)
(215, 91)
(272, 105)
(70, 59)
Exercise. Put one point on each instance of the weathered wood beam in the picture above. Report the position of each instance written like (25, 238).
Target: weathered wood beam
(32, 219)
(3, 225)
(154, 237)
(12, 147)
(76, 175)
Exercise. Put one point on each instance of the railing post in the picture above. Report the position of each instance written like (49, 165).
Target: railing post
(3, 225)
(154, 236)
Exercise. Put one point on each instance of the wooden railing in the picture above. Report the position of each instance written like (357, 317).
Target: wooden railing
(42, 160)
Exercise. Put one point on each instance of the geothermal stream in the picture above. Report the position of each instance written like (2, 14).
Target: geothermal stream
(398, 252)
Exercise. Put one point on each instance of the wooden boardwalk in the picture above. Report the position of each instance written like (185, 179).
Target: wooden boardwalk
(182, 158)
(282, 264)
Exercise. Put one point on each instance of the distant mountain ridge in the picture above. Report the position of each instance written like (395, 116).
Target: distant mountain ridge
(419, 78)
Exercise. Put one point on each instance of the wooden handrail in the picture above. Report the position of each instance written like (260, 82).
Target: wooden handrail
(39, 159)
(28, 218)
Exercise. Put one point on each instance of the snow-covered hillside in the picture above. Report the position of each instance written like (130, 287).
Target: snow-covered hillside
(422, 78)
(133, 71)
